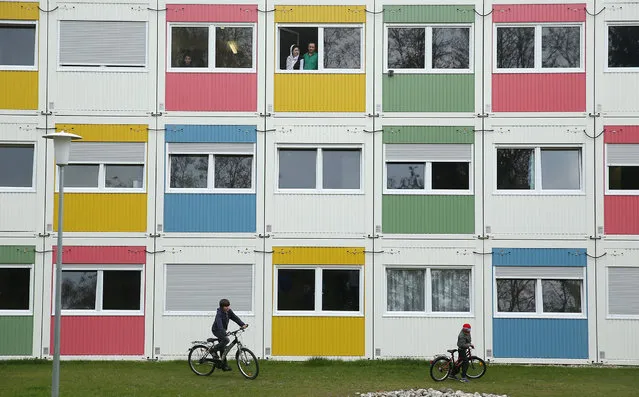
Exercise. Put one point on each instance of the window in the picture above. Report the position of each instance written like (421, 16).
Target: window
(438, 48)
(320, 169)
(428, 168)
(334, 48)
(531, 290)
(196, 288)
(95, 289)
(18, 45)
(16, 166)
(538, 48)
(557, 169)
(212, 48)
(106, 166)
(314, 290)
(211, 167)
(623, 46)
(622, 162)
(15, 289)
(428, 290)
(103, 44)
(623, 294)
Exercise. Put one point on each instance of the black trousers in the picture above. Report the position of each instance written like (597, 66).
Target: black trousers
(463, 355)
(222, 339)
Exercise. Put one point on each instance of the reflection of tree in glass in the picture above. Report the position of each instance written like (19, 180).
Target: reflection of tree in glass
(405, 289)
(562, 296)
(78, 290)
(342, 48)
(516, 47)
(451, 48)
(233, 47)
(188, 171)
(623, 46)
(514, 169)
(560, 47)
(413, 181)
(406, 48)
(233, 172)
(451, 290)
(516, 295)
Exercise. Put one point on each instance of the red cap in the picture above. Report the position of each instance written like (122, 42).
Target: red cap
(466, 326)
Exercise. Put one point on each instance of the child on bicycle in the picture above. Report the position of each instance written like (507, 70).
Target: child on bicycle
(220, 325)
(464, 341)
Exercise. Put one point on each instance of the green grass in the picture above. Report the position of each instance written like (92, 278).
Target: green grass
(316, 377)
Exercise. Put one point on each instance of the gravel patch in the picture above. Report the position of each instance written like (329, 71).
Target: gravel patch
(428, 393)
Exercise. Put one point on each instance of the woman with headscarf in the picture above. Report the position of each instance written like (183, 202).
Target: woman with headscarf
(294, 60)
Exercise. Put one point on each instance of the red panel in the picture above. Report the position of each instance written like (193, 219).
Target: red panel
(101, 255)
(621, 214)
(539, 92)
(621, 134)
(211, 91)
(211, 13)
(100, 335)
(539, 13)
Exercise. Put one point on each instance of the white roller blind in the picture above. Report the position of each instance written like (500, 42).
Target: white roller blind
(220, 148)
(428, 152)
(199, 288)
(539, 272)
(102, 43)
(107, 152)
(623, 290)
(623, 154)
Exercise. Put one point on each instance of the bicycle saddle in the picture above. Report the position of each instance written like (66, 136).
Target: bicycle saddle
(211, 340)
(451, 350)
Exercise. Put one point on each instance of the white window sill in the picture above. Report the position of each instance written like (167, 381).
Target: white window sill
(17, 190)
(102, 69)
(539, 193)
(321, 71)
(622, 317)
(610, 70)
(428, 71)
(210, 191)
(297, 313)
(547, 316)
(103, 313)
(428, 314)
(326, 192)
(420, 192)
(16, 313)
(11, 68)
(538, 71)
(212, 71)
(105, 191)
(622, 192)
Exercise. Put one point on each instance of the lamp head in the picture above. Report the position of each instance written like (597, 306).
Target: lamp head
(62, 145)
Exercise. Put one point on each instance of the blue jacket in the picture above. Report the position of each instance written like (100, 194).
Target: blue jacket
(221, 322)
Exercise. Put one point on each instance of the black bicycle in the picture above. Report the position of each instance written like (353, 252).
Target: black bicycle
(203, 363)
(442, 366)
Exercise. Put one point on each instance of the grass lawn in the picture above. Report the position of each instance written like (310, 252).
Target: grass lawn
(311, 378)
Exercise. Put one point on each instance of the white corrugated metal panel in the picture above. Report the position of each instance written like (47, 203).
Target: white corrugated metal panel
(107, 152)
(623, 291)
(402, 255)
(538, 271)
(622, 154)
(428, 152)
(19, 212)
(222, 148)
(320, 134)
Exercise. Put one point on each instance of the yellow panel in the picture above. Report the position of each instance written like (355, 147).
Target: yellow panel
(310, 92)
(102, 212)
(19, 11)
(318, 256)
(318, 336)
(18, 90)
(320, 14)
(107, 132)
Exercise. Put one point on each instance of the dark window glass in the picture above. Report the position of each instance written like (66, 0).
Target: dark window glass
(451, 175)
(561, 296)
(515, 169)
(623, 46)
(451, 48)
(516, 47)
(79, 289)
(189, 171)
(342, 48)
(405, 175)
(17, 43)
(233, 47)
(124, 176)
(297, 168)
(561, 47)
(516, 295)
(406, 48)
(233, 172)
(121, 290)
(296, 289)
(623, 177)
(340, 290)
(190, 47)
(16, 164)
(14, 288)
(341, 169)
(301, 37)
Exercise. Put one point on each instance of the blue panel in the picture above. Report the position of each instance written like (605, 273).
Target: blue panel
(540, 338)
(539, 257)
(210, 133)
(209, 213)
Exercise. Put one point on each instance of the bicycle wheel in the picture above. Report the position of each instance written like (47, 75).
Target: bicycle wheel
(247, 363)
(439, 369)
(476, 367)
(201, 361)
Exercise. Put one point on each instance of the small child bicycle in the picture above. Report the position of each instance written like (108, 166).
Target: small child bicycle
(203, 363)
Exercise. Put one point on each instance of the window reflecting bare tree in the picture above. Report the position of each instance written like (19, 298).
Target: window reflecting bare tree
(561, 296)
(451, 290)
(233, 47)
(406, 290)
(192, 41)
(451, 48)
(79, 289)
(561, 47)
(623, 46)
(405, 175)
(516, 47)
(406, 48)
(233, 172)
(123, 176)
(516, 295)
(342, 48)
(515, 169)
(189, 171)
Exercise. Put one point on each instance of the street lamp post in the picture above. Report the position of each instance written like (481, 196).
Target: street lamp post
(62, 146)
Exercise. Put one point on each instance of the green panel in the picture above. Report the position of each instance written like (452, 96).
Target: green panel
(16, 335)
(17, 254)
(429, 92)
(430, 134)
(429, 14)
(422, 214)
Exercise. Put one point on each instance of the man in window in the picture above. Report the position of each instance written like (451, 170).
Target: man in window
(310, 58)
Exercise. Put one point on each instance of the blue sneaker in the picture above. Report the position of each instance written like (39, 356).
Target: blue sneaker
(465, 380)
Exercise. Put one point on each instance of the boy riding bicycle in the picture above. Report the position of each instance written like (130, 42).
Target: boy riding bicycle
(220, 325)
(463, 343)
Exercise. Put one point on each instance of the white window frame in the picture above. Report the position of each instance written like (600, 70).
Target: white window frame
(538, 47)
(318, 292)
(33, 67)
(99, 293)
(613, 316)
(428, 50)
(539, 302)
(210, 177)
(613, 192)
(29, 311)
(428, 290)
(319, 169)
(538, 190)
(31, 189)
(320, 52)
(211, 47)
(609, 69)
